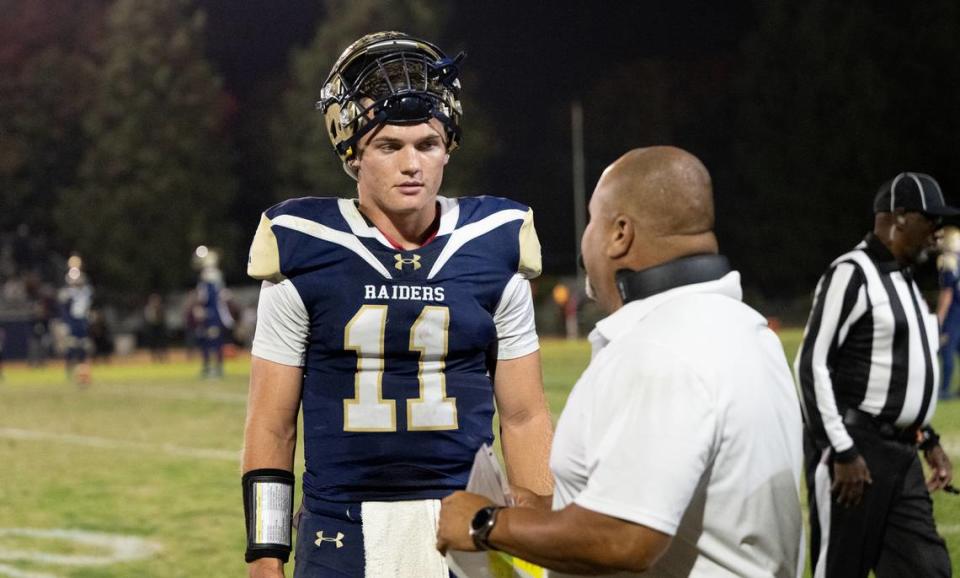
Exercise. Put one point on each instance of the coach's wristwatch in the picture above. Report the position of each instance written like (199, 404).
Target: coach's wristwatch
(482, 525)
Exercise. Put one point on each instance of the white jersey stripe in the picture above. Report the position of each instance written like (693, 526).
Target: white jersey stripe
(467, 233)
(822, 383)
(449, 215)
(859, 308)
(916, 368)
(823, 498)
(345, 240)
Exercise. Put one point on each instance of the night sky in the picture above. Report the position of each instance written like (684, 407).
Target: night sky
(531, 61)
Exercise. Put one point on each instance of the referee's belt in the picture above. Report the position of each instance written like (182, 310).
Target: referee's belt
(857, 418)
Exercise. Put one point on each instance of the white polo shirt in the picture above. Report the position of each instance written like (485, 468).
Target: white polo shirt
(687, 421)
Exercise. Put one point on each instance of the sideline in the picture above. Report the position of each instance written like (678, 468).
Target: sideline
(107, 443)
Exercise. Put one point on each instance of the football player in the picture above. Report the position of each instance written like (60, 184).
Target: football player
(76, 298)
(398, 321)
(211, 311)
(948, 304)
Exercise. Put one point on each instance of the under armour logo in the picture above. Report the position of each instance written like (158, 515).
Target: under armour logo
(415, 261)
(321, 539)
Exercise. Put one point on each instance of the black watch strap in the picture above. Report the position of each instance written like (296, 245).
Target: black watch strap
(481, 526)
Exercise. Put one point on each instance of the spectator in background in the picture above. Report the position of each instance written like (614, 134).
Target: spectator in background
(3, 338)
(100, 336)
(39, 341)
(155, 327)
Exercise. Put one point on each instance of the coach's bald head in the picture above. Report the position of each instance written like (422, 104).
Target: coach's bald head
(651, 206)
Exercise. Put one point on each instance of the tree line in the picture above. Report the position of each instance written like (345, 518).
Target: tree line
(119, 140)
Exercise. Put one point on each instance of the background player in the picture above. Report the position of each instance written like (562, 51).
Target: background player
(395, 319)
(214, 319)
(76, 298)
(948, 304)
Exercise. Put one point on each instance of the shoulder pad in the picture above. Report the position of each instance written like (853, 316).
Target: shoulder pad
(319, 209)
(531, 264)
(947, 262)
(477, 208)
(263, 262)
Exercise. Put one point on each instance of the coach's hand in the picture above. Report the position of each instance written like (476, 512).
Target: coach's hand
(849, 480)
(456, 513)
(265, 568)
(941, 470)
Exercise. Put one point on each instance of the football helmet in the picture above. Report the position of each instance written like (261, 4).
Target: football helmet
(394, 78)
(948, 239)
(205, 257)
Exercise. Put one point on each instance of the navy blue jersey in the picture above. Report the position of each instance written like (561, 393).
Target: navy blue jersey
(948, 266)
(210, 298)
(397, 397)
(75, 303)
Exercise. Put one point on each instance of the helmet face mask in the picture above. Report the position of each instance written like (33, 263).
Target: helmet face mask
(389, 77)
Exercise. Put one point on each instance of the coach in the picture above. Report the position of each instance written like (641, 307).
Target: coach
(868, 376)
(679, 449)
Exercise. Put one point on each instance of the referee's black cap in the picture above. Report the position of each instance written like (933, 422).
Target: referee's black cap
(913, 192)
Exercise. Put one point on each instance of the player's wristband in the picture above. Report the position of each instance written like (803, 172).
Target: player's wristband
(268, 509)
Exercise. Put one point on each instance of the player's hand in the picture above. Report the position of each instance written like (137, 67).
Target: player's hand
(456, 513)
(524, 498)
(941, 470)
(265, 568)
(849, 481)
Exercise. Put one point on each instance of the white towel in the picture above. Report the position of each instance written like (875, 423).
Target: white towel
(400, 539)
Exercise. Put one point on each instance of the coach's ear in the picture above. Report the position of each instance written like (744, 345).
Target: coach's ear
(621, 237)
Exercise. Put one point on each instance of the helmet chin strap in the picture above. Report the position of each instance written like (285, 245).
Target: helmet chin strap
(398, 109)
(374, 122)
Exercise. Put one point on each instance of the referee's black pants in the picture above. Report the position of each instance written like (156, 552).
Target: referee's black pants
(891, 531)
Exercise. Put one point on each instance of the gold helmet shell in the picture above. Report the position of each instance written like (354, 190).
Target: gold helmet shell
(389, 77)
(949, 239)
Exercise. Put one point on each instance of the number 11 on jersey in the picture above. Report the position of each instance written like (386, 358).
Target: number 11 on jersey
(367, 410)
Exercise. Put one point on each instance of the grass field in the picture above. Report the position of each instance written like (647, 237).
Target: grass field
(138, 475)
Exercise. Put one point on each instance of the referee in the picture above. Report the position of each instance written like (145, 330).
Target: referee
(868, 377)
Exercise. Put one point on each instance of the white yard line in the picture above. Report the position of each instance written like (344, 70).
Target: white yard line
(224, 396)
(110, 548)
(12, 572)
(948, 528)
(107, 443)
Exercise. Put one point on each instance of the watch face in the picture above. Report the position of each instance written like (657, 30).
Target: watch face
(481, 519)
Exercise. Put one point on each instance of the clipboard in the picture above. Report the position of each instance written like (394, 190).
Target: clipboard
(488, 479)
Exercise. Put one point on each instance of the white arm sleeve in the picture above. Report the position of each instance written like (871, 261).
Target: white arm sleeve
(283, 325)
(516, 331)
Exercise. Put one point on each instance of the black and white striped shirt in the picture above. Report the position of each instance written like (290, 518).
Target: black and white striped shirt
(870, 343)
